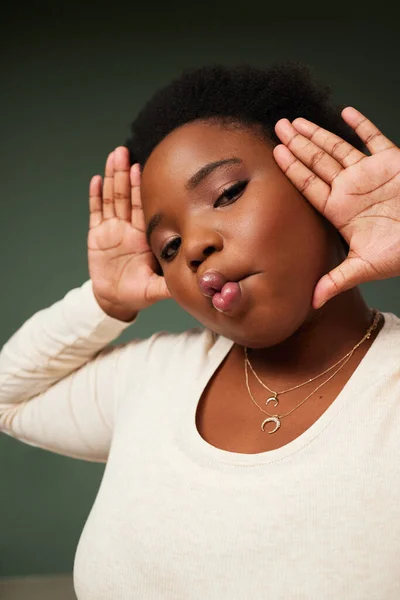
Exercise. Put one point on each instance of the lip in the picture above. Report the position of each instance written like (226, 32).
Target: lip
(211, 282)
(229, 298)
(226, 293)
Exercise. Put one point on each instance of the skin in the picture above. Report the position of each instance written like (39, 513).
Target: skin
(270, 229)
(291, 337)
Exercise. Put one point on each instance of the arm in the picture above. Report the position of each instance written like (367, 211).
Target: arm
(58, 377)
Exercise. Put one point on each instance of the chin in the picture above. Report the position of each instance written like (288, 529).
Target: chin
(263, 326)
(263, 318)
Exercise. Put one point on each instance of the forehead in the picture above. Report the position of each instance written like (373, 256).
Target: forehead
(188, 148)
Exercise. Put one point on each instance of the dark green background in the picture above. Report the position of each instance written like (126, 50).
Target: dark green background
(71, 84)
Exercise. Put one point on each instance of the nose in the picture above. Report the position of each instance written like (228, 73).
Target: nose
(199, 245)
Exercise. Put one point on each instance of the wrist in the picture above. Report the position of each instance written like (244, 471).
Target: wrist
(122, 316)
(114, 312)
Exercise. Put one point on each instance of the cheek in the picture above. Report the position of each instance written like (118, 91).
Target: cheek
(180, 283)
(286, 233)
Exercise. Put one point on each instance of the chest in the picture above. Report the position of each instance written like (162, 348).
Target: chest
(157, 527)
(167, 525)
(229, 418)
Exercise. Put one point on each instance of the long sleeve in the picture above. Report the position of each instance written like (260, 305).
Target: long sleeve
(59, 377)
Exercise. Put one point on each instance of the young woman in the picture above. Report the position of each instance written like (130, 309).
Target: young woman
(257, 457)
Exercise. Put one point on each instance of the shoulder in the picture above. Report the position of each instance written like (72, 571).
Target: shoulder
(191, 342)
(166, 353)
(385, 352)
(391, 328)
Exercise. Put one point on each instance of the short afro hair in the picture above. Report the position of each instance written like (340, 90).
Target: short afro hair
(243, 95)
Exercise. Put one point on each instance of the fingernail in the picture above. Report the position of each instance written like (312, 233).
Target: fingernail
(302, 125)
(136, 172)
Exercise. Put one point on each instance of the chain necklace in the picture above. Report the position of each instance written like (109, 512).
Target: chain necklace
(276, 418)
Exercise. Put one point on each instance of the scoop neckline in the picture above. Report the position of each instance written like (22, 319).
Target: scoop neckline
(205, 452)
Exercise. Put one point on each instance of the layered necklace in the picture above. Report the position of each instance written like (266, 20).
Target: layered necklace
(276, 418)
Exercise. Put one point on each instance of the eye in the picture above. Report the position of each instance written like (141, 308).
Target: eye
(232, 193)
(173, 245)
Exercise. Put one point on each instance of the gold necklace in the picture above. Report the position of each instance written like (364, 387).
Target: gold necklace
(276, 418)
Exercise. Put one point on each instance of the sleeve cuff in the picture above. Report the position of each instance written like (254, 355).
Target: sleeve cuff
(92, 317)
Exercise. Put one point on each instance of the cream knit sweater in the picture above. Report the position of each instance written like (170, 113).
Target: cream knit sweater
(177, 518)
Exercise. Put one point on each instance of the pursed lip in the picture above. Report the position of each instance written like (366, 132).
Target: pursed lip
(213, 281)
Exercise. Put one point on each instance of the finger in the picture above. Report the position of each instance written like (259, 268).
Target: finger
(314, 157)
(122, 187)
(343, 152)
(372, 137)
(137, 217)
(108, 188)
(345, 276)
(135, 185)
(158, 289)
(95, 202)
(308, 184)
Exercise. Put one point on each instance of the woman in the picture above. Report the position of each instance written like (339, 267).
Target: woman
(256, 457)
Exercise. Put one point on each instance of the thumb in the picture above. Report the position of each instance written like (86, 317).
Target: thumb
(158, 289)
(347, 275)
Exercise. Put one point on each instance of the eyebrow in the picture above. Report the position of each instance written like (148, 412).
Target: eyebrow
(202, 173)
(193, 182)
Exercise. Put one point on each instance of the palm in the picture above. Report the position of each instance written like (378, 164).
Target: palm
(364, 205)
(358, 194)
(118, 274)
(122, 266)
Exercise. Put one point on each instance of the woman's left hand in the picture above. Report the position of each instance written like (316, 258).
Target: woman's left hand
(358, 194)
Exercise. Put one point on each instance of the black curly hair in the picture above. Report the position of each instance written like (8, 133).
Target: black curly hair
(242, 95)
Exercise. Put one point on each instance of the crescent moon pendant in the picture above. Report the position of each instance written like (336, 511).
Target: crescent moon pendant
(271, 420)
(272, 399)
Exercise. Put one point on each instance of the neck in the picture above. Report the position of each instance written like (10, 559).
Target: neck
(325, 337)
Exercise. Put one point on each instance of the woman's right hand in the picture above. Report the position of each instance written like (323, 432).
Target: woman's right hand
(122, 266)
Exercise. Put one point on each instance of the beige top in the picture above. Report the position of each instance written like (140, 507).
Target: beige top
(178, 518)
